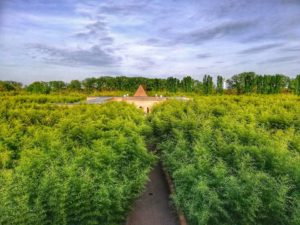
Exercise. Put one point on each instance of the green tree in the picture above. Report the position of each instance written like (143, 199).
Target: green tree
(249, 81)
(187, 84)
(172, 84)
(74, 85)
(235, 83)
(243, 82)
(10, 86)
(297, 85)
(57, 85)
(290, 85)
(220, 88)
(267, 84)
(89, 84)
(207, 84)
(39, 87)
(198, 87)
(259, 84)
(158, 84)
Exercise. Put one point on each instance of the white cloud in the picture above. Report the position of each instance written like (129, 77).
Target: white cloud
(148, 37)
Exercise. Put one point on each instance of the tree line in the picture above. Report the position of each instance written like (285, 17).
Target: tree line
(243, 83)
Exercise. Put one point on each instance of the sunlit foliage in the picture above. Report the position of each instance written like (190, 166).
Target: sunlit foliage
(69, 164)
(233, 160)
(243, 83)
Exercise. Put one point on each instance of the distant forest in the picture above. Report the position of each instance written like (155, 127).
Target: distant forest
(243, 83)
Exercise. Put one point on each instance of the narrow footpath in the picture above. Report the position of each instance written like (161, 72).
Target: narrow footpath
(153, 207)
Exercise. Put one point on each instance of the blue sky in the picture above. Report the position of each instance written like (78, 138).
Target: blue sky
(72, 39)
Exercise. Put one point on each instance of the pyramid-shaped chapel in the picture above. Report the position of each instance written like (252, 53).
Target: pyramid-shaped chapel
(140, 92)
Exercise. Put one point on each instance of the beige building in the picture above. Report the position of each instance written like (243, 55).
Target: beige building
(140, 99)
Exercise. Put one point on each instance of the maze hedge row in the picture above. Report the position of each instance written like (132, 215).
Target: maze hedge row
(233, 160)
(77, 164)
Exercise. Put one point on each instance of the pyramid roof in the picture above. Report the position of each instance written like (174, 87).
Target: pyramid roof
(140, 92)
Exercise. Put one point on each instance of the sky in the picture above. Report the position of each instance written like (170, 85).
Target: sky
(72, 39)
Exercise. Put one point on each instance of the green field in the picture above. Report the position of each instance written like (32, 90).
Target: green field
(233, 159)
(69, 165)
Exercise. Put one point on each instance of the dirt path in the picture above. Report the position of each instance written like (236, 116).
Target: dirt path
(153, 207)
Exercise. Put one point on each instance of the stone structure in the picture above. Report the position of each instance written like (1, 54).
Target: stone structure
(140, 99)
(140, 92)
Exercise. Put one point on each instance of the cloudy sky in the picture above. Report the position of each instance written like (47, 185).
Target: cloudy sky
(73, 39)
